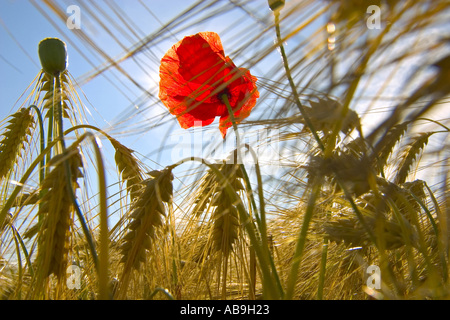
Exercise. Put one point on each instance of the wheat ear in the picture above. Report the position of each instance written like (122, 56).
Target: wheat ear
(14, 138)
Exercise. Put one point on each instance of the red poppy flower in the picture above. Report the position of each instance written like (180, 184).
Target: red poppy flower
(195, 75)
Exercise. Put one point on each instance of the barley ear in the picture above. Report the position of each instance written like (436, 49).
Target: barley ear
(226, 218)
(48, 88)
(145, 220)
(388, 143)
(409, 155)
(204, 194)
(57, 208)
(350, 231)
(14, 138)
(128, 167)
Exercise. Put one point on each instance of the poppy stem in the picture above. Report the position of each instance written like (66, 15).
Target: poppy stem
(233, 121)
(266, 256)
(308, 121)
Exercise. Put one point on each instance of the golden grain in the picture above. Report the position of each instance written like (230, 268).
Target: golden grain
(56, 209)
(128, 167)
(145, 218)
(14, 139)
(50, 94)
(409, 155)
(225, 217)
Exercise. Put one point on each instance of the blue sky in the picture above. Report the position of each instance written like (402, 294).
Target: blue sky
(111, 97)
(22, 26)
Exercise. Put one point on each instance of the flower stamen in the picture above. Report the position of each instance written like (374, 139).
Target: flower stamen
(224, 93)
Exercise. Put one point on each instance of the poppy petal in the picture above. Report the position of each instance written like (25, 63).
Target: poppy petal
(194, 76)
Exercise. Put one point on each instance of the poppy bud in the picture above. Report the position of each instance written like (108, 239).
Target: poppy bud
(53, 55)
(276, 5)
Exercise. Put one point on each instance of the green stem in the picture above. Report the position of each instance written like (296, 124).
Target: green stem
(291, 82)
(102, 262)
(233, 121)
(49, 133)
(87, 126)
(24, 249)
(9, 203)
(58, 110)
(301, 241)
(262, 218)
(104, 231)
(42, 145)
(271, 291)
(19, 262)
(42, 139)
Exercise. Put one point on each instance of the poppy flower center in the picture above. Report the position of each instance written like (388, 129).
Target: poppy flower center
(221, 94)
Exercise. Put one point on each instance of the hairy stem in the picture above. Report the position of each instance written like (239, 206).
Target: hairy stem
(291, 82)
